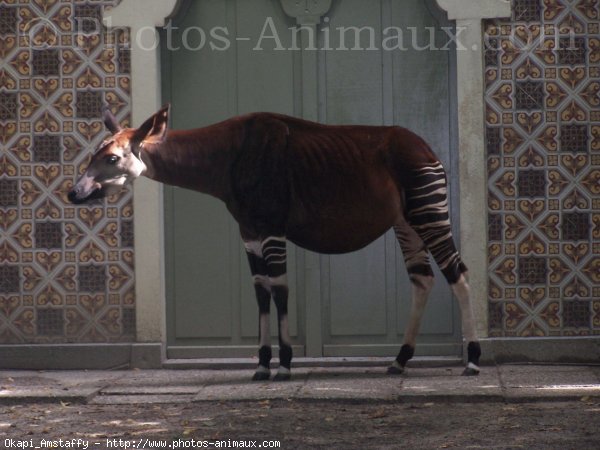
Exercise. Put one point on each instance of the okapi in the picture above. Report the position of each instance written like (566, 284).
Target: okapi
(328, 189)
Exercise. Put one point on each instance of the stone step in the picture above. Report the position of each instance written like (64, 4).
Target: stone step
(250, 363)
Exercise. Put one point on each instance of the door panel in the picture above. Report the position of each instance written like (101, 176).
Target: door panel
(210, 297)
(375, 86)
(354, 77)
(357, 292)
(211, 258)
(353, 81)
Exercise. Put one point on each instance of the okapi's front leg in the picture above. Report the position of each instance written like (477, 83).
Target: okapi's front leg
(274, 254)
(262, 288)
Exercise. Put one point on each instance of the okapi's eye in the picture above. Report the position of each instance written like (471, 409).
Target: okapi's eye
(112, 159)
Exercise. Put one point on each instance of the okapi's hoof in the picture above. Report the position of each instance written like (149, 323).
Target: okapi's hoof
(471, 370)
(282, 377)
(261, 375)
(283, 374)
(395, 369)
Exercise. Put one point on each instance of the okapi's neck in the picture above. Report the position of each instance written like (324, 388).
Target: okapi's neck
(195, 159)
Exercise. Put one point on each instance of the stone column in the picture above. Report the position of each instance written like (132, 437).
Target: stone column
(468, 15)
(142, 17)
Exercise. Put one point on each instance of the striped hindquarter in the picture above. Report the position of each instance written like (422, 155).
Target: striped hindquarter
(428, 215)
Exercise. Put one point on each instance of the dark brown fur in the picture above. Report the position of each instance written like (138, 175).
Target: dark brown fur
(330, 189)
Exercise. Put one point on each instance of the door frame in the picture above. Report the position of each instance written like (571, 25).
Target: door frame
(185, 346)
(144, 16)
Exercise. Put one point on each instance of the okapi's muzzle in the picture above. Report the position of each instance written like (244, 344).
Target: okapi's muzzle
(85, 190)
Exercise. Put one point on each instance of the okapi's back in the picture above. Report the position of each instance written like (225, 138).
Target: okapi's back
(354, 149)
(346, 182)
(331, 189)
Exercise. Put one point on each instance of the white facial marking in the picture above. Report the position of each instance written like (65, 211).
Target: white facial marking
(121, 172)
(137, 167)
(106, 142)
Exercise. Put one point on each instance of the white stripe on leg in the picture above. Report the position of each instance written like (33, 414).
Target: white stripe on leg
(462, 292)
(421, 286)
(284, 330)
(265, 330)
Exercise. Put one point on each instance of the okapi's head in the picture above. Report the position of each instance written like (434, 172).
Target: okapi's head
(118, 161)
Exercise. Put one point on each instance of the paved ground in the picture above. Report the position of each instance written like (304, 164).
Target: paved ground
(508, 406)
(506, 383)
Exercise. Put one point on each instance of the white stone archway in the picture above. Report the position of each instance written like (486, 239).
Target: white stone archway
(143, 16)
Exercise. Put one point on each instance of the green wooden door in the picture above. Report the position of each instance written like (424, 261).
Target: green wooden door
(354, 304)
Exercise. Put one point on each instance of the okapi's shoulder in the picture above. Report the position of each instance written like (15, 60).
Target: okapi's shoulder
(259, 180)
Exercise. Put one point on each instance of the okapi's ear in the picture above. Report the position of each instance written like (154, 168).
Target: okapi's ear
(154, 129)
(110, 121)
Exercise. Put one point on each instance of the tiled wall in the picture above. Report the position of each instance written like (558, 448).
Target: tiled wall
(66, 272)
(542, 79)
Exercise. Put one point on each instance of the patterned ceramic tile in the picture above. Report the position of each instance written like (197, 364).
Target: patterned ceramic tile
(66, 272)
(542, 114)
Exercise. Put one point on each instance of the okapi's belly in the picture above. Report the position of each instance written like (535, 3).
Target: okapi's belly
(344, 224)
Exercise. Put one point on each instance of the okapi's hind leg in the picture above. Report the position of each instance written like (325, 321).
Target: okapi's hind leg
(462, 292)
(428, 215)
(419, 271)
